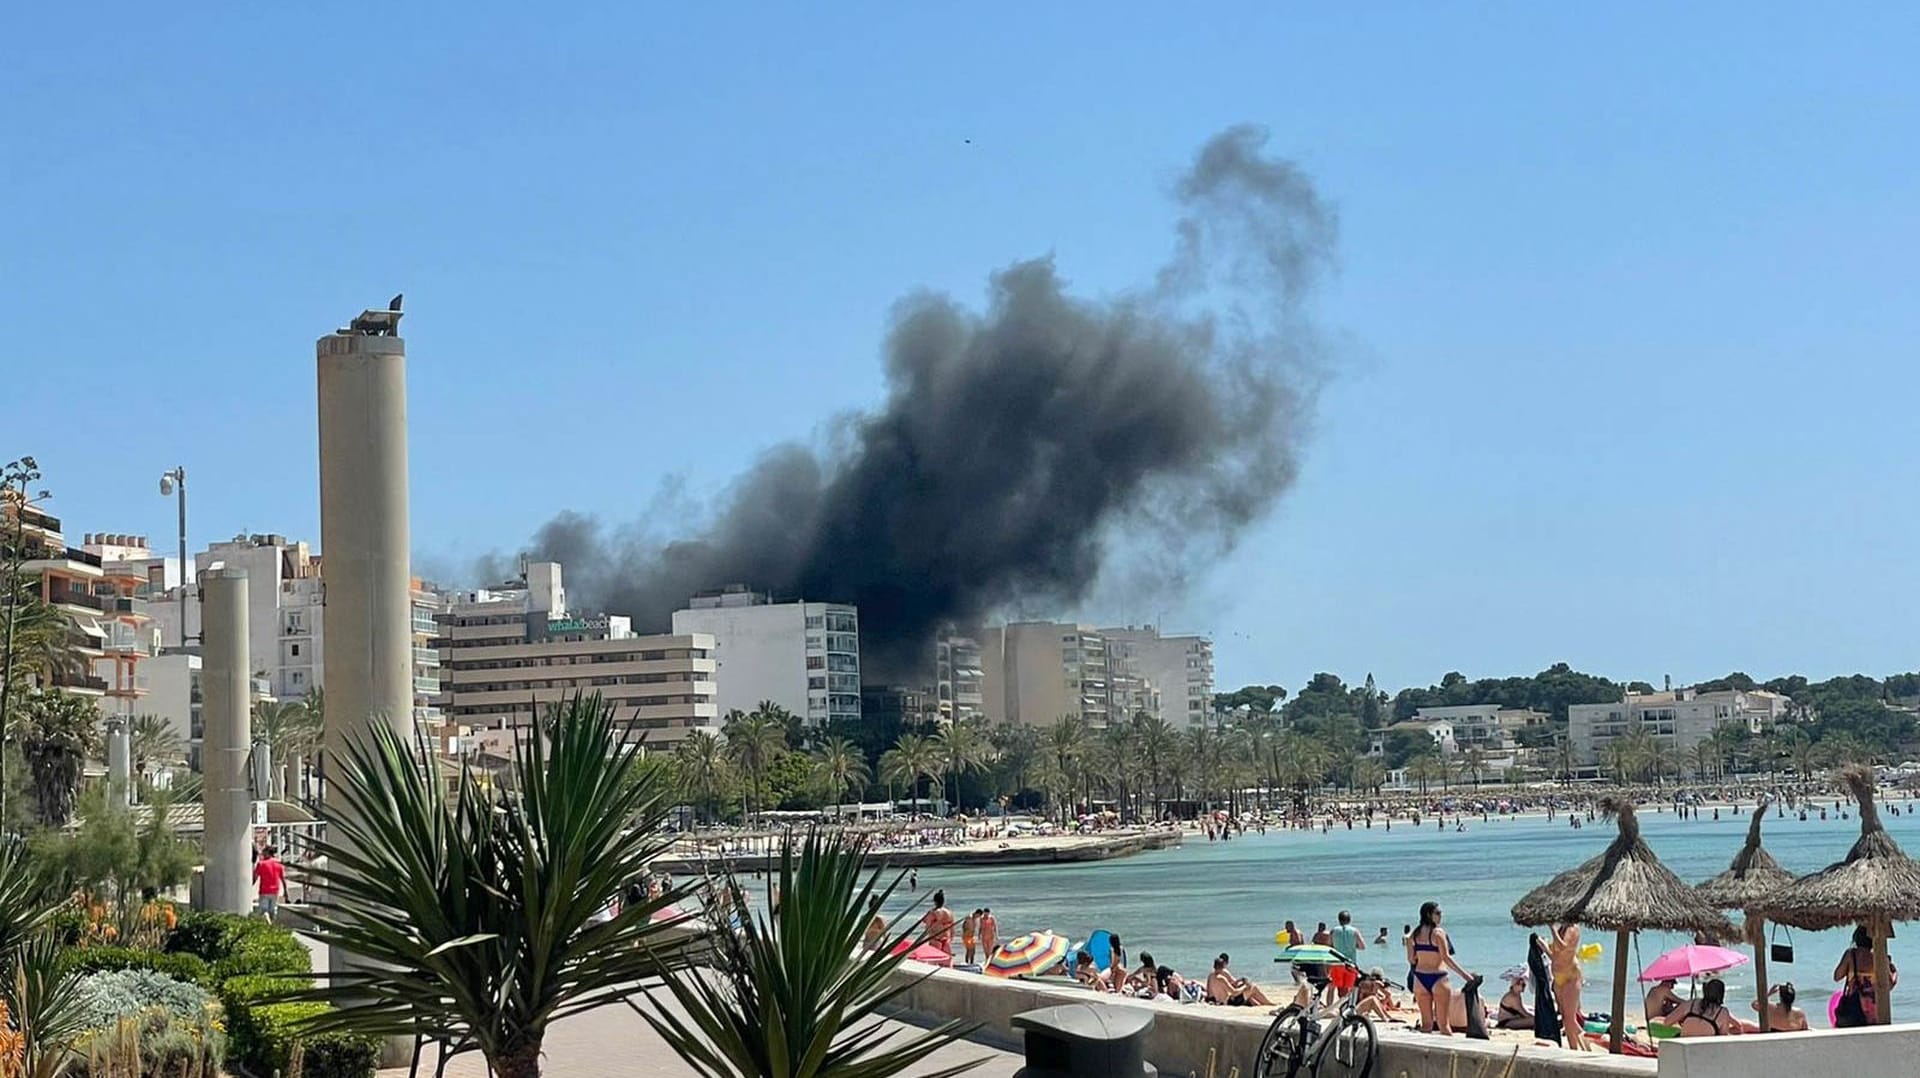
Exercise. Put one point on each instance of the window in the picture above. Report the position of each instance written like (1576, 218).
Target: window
(816, 683)
(815, 621)
(296, 651)
(816, 662)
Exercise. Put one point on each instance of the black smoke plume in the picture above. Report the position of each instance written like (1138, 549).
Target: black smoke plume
(1020, 446)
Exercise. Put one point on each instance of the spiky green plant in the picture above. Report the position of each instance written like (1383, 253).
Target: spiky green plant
(795, 994)
(45, 1005)
(478, 909)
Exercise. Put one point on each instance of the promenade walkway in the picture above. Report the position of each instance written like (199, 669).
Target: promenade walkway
(614, 1042)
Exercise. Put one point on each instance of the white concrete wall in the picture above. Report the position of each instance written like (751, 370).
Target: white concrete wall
(760, 652)
(1878, 1052)
(1183, 1034)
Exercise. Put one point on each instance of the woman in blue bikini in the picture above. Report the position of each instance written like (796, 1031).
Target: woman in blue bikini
(1430, 953)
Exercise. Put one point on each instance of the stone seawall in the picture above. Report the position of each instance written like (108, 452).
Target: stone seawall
(981, 852)
(1183, 1035)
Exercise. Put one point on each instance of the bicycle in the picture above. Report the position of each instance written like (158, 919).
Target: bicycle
(1306, 1042)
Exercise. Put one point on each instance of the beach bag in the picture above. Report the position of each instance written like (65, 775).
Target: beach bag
(1851, 1011)
(1780, 952)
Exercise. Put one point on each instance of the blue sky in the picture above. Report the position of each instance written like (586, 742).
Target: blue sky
(1627, 294)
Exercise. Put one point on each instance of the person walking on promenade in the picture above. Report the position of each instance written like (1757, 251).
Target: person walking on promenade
(270, 874)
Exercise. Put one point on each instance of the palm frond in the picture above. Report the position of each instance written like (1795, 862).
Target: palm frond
(795, 993)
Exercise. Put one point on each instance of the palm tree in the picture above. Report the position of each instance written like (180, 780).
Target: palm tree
(154, 741)
(289, 730)
(1473, 761)
(754, 741)
(57, 733)
(1066, 743)
(911, 759)
(1153, 738)
(797, 993)
(702, 760)
(841, 766)
(1425, 768)
(1369, 774)
(479, 912)
(46, 644)
(962, 749)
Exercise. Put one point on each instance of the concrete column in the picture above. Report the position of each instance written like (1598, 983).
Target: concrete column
(120, 760)
(226, 684)
(364, 544)
(368, 617)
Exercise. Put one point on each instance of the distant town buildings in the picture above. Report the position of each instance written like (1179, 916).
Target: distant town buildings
(507, 653)
(1681, 717)
(803, 656)
(1488, 727)
(896, 706)
(959, 681)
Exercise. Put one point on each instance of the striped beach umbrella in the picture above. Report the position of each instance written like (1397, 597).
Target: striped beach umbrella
(1023, 956)
(1309, 952)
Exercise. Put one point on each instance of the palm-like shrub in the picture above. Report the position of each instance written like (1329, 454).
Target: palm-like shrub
(795, 994)
(477, 909)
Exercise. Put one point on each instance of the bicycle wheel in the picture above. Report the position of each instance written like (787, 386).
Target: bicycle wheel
(1284, 1049)
(1347, 1050)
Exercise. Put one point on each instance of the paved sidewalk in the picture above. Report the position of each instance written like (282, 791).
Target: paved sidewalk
(614, 1042)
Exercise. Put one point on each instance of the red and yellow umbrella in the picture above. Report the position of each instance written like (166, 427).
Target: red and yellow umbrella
(1024, 956)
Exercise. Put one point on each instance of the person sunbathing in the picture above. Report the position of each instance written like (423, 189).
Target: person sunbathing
(1224, 988)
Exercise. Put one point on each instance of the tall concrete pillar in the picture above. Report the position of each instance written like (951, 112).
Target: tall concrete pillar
(120, 760)
(364, 547)
(368, 615)
(226, 683)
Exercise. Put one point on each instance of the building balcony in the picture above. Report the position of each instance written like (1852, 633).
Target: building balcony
(85, 684)
(69, 556)
(70, 597)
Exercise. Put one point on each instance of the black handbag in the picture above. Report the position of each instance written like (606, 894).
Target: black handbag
(1780, 952)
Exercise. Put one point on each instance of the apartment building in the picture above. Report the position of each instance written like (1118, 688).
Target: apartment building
(286, 590)
(898, 706)
(1036, 672)
(114, 632)
(1178, 669)
(958, 679)
(507, 653)
(1488, 727)
(1681, 717)
(803, 656)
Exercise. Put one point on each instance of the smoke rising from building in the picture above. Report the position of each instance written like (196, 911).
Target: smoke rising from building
(1023, 447)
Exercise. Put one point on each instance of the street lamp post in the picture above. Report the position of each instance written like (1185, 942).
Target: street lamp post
(171, 482)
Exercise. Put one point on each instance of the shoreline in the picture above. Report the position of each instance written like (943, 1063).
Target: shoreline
(1024, 850)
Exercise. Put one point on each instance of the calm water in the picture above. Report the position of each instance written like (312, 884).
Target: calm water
(1188, 904)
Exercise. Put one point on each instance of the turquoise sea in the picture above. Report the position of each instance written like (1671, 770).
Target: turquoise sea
(1186, 905)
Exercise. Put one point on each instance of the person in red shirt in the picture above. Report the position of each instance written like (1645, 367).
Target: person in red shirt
(271, 875)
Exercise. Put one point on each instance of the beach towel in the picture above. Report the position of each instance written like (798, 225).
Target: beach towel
(1546, 1015)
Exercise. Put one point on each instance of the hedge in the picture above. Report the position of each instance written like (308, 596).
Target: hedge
(261, 1036)
(183, 967)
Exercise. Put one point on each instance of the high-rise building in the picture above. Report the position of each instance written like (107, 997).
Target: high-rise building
(1179, 670)
(958, 678)
(897, 706)
(1036, 672)
(506, 653)
(802, 656)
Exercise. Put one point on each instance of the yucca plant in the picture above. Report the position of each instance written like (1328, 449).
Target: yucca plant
(44, 1003)
(794, 993)
(477, 908)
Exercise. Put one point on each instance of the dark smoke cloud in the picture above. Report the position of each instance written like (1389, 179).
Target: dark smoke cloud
(1020, 446)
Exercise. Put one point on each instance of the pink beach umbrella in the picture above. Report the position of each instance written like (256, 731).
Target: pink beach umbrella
(1690, 961)
(928, 953)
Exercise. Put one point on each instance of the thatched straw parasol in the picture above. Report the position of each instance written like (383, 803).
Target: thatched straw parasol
(1875, 886)
(1752, 879)
(1625, 889)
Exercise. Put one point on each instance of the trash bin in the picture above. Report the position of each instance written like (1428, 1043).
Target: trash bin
(1082, 1040)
